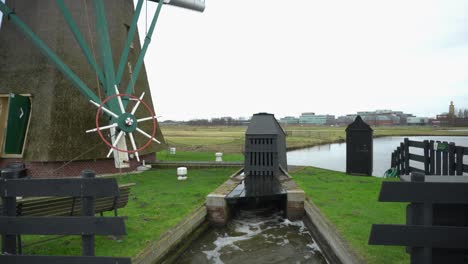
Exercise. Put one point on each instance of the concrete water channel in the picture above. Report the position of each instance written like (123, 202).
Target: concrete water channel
(283, 229)
(256, 236)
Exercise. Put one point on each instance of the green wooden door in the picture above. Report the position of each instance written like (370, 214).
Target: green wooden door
(19, 109)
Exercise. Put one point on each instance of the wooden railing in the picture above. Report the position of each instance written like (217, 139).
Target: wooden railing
(87, 188)
(439, 158)
(436, 229)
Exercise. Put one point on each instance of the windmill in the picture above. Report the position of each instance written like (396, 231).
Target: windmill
(116, 102)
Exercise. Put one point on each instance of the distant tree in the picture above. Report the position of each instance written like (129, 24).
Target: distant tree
(461, 114)
(465, 113)
(198, 122)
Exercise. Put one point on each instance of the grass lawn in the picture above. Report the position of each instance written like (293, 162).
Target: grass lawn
(350, 203)
(197, 156)
(157, 203)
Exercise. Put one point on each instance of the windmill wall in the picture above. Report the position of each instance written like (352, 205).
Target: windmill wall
(60, 114)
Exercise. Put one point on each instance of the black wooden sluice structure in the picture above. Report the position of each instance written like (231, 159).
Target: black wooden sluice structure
(87, 188)
(436, 230)
(359, 148)
(265, 159)
(439, 158)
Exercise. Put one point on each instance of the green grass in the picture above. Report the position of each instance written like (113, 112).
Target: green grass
(350, 203)
(197, 156)
(157, 203)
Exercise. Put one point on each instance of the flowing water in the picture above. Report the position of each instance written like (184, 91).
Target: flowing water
(255, 237)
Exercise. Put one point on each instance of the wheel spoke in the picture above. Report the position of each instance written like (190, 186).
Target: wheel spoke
(102, 128)
(146, 118)
(137, 104)
(104, 109)
(130, 135)
(119, 99)
(147, 135)
(115, 143)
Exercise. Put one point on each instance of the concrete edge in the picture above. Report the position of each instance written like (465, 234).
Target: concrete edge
(156, 251)
(332, 244)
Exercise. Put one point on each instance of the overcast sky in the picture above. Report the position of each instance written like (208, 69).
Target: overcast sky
(328, 57)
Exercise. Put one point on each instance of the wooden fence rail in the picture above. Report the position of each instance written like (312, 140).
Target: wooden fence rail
(436, 230)
(439, 158)
(87, 225)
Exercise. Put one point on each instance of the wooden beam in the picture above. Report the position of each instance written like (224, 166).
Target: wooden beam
(8, 259)
(424, 192)
(66, 225)
(59, 187)
(420, 236)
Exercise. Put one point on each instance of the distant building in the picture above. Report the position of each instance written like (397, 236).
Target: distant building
(385, 117)
(417, 121)
(449, 119)
(451, 112)
(313, 119)
(289, 120)
(345, 120)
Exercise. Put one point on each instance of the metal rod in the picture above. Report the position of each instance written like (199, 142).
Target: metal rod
(106, 54)
(80, 39)
(195, 5)
(130, 37)
(140, 60)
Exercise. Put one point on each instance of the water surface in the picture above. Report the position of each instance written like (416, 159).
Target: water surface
(333, 156)
(255, 237)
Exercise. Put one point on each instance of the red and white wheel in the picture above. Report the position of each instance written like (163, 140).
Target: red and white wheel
(125, 123)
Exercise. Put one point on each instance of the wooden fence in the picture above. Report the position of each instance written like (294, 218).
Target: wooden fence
(436, 230)
(86, 225)
(439, 158)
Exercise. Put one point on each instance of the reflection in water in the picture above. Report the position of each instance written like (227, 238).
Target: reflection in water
(333, 156)
(259, 236)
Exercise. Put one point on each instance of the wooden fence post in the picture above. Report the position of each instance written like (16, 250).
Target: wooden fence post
(431, 158)
(398, 154)
(452, 150)
(407, 169)
(445, 160)
(426, 157)
(9, 209)
(403, 157)
(438, 161)
(392, 161)
(87, 209)
(459, 151)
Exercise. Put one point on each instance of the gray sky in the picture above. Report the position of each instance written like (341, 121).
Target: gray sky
(288, 57)
(329, 57)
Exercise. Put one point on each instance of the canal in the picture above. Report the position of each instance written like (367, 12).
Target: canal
(255, 237)
(333, 156)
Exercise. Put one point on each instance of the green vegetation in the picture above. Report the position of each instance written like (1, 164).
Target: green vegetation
(350, 203)
(157, 203)
(197, 156)
(231, 139)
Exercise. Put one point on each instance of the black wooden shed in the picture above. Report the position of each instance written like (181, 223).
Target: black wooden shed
(265, 155)
(359, 148)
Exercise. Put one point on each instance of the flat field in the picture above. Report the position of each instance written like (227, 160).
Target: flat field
(231, 139)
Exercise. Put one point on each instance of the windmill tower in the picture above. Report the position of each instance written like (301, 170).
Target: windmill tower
(43, 117)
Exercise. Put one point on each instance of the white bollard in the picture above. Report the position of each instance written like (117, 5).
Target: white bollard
(182, 173)
(172, 151)
(219, 156)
